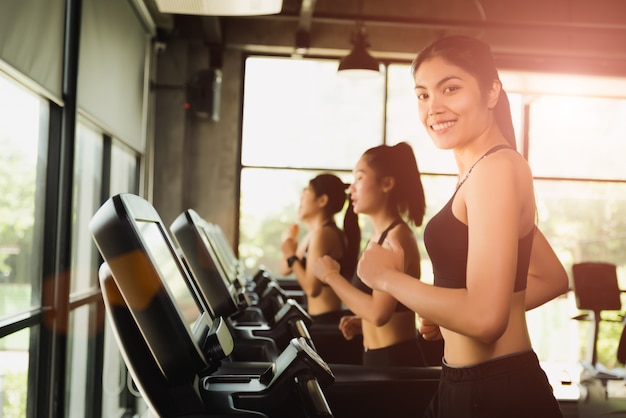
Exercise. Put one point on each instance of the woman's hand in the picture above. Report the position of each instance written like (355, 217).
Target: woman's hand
(429, 330)
(289, 247)
(350, 326)
(377, 260)
(325, 265)
(290, 240)
(292, 231)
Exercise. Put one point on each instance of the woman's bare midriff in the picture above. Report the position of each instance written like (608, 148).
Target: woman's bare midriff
(326, 301)
(401, 327)
(462, 351)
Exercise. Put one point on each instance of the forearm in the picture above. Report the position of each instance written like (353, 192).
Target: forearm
(547, 277)
(458, 310)
(358, 302)
(540, 291)
(307, 281)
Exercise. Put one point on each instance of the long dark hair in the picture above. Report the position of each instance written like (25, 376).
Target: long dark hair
(333, 187)
(398, 161)
(475, 57)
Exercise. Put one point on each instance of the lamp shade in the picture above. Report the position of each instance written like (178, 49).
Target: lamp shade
(220, 7)
(359, 62)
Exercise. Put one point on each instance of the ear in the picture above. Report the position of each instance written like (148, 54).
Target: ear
(494, 94)
(322, 200)
(388, 183)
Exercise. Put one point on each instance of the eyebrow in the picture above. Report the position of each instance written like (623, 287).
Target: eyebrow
(442, 81)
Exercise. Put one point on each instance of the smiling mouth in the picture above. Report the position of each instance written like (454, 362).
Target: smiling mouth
(442, 125)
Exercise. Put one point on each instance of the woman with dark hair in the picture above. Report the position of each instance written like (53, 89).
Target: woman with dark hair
(490, 261)
(387, 187)
(320, 201)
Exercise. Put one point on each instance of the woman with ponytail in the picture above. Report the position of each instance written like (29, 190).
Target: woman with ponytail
(490, 261)
(320, 201)
(387, 188)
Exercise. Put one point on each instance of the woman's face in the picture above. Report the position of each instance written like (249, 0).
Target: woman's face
(450, 103)
(308, 203)
(365, 192)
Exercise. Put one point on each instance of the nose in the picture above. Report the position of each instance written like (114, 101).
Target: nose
(434, 106)
(351, 188)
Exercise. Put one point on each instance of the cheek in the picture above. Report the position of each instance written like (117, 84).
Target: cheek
(422, 112)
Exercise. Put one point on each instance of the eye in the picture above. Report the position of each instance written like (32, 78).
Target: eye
(451, 89)
(422, 96)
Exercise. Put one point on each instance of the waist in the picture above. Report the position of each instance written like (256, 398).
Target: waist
(400, 328)
(523, 360)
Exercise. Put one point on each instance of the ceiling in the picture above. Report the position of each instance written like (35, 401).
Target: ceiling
(576, 36)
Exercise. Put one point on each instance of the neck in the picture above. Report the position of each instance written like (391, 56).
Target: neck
(382, 221)
(468, 153)
(317, 222)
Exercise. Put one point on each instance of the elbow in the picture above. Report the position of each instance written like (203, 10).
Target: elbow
(490, 330)
(314, 291)
(564, 282)
(561, 283)
(380, 319)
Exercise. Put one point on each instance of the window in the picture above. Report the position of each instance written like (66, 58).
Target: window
(312, 111)
(85, 201)
(318, 121)
(24, 121)
(118, 391)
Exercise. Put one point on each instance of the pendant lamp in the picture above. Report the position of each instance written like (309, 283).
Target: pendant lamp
(359, 62)
(220, 7)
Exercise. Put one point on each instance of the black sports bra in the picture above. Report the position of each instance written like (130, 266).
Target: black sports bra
(446, 240)
(356, 280)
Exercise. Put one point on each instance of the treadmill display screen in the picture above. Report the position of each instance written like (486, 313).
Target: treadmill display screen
(161, 253)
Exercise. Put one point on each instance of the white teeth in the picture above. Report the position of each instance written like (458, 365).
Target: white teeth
(444, 125)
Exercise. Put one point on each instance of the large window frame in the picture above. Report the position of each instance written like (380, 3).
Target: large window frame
(261, 190)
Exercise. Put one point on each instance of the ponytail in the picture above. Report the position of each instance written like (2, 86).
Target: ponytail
(352, 232)
(398, 162)
(409, 189)
(502, 115)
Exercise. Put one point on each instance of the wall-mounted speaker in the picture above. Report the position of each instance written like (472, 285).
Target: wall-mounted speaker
(204, 93)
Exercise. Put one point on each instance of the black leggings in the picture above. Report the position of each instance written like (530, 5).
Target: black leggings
(513, 386)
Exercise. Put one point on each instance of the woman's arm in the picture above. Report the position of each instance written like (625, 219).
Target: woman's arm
(547, 277)
(376, 308)
(288, 247)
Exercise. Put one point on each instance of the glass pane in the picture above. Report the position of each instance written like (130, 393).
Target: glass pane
(14, 358)
(578, 137)
(300, 113)
(116, 382)
(86, 200)
(584, 221)
(23, 124)
(79, 354)
(123, 171)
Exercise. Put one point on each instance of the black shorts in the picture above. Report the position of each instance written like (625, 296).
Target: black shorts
(513, 386)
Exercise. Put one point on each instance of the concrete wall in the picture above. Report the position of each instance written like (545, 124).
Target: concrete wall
(196, 160)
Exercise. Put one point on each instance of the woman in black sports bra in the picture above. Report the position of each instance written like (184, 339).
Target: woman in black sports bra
(324, 196)
(386, 186)
(490, 261)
